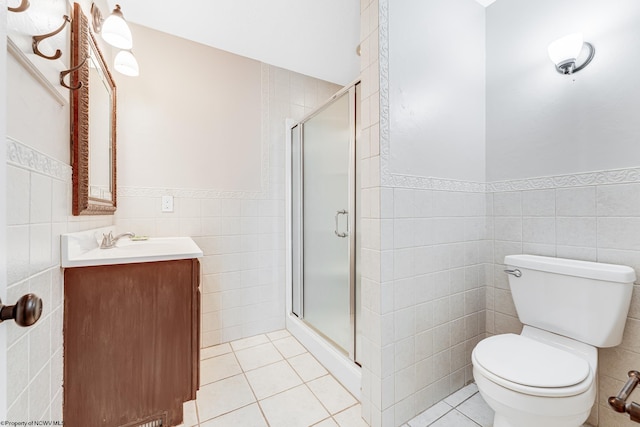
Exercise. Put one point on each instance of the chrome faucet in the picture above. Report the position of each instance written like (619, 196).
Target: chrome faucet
(108, 241)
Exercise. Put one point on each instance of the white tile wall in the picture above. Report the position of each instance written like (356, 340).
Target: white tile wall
(596, 223)
(436, 243)
(39, 211)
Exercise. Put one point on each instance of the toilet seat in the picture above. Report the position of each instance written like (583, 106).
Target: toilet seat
(531, 367)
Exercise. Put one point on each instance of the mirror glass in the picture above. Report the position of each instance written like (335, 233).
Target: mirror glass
(100, 146)
(93, 124)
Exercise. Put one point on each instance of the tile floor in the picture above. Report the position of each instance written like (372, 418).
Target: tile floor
(271, 380)
(268, 380)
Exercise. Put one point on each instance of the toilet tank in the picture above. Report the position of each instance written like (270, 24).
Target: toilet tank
(586, 301)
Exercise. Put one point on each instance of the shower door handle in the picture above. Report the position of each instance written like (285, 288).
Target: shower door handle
(344, 234)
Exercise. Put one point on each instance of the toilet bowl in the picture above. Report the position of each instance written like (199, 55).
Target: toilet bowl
(546, 375)
(536, 379)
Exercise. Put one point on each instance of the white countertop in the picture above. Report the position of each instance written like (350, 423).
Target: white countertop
(83, 249)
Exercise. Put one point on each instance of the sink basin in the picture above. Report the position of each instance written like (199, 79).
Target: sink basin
(83, 249)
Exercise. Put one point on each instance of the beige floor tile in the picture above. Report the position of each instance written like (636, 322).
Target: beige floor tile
(333, 396)
(216, 350)
(249, 342)
(289, 347)
(283, 333)
(272, 379)
(478, 410)
(219, 367)
(249, 416)
(297, 407)
(351, 417)
(307, 367)
(329, 422)
(223, 396)
(258, 356)
(454, 419)
(190, 416)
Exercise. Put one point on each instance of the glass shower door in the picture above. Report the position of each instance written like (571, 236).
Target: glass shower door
(327, 150)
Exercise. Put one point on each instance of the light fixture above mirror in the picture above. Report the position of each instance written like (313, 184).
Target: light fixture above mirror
(565, 52)
(125, 63)
(115, 31)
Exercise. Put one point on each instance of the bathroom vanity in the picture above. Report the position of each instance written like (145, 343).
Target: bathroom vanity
(131, 333)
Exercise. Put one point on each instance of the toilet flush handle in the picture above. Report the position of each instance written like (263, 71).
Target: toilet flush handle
(514, 272)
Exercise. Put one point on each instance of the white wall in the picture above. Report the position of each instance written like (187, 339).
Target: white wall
(193, 109)
(541, 123)
(437, 85)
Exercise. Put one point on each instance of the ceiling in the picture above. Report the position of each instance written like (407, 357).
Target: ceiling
(317, 38)
(311, 37)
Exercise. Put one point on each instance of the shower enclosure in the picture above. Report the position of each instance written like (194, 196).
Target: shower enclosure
(323, 278)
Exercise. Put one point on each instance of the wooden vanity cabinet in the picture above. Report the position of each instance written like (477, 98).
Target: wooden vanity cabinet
(131, 343)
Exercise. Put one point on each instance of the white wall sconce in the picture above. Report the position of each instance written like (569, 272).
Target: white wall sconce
(125, 63)
(565, 52)
(114, 29)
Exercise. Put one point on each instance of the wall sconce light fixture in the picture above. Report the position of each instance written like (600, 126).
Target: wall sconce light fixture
(114, 29)
(565, 51)
(126, 63)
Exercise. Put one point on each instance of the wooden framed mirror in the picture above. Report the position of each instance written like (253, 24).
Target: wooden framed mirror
(93, 123)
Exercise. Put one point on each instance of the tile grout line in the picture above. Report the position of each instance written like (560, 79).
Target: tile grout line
(244, 374)
(272, 341)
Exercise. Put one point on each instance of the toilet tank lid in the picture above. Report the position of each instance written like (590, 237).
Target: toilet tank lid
(572, 267)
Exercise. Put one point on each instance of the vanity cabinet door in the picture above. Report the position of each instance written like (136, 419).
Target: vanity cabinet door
(131, 343)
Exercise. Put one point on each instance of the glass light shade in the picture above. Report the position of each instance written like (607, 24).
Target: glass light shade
(115, 30)
(126, 63)
(566, 49)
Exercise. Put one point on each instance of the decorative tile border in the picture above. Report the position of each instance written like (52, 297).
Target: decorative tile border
(607, 177)
(614, 176)
(431, 183)
(386, 179)
(26, 157)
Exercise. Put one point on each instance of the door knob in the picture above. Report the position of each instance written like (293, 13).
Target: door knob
(26, 312)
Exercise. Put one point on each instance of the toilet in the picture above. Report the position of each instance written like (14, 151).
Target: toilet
(546, 375)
